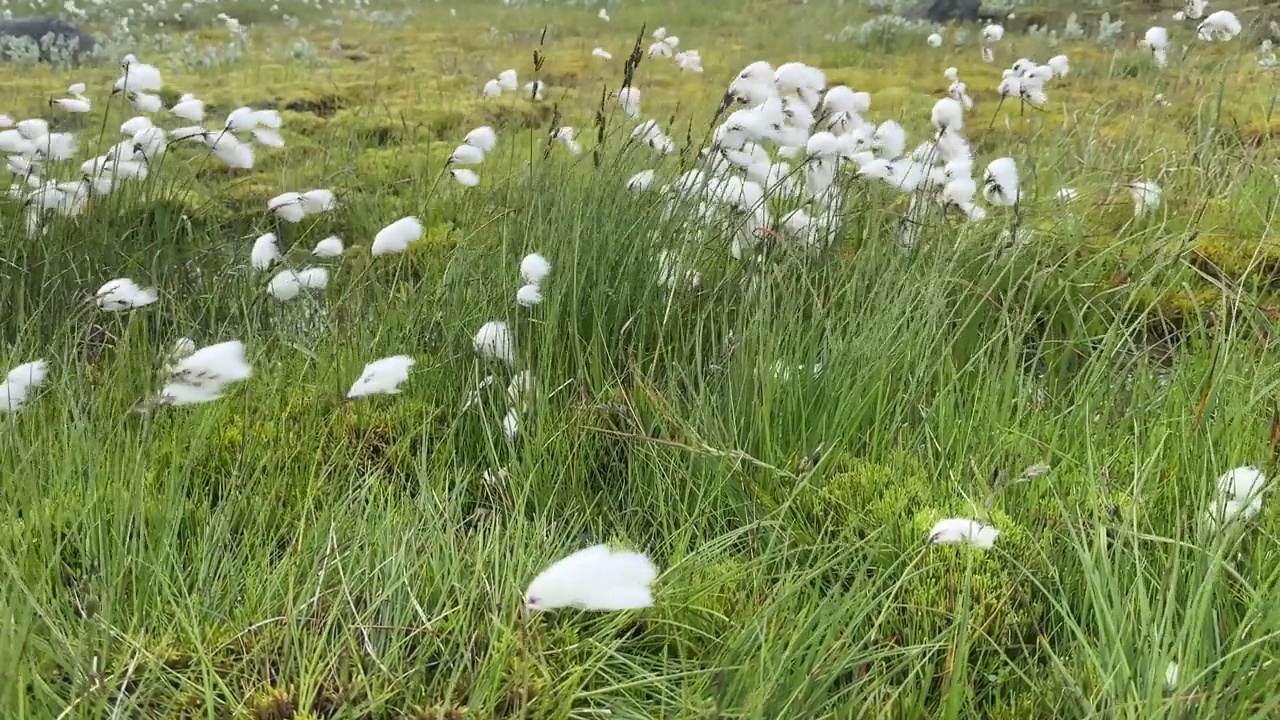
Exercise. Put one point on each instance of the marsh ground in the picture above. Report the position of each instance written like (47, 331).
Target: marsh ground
(282, 553)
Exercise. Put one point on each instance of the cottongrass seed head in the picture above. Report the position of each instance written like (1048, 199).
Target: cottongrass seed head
(595, 578)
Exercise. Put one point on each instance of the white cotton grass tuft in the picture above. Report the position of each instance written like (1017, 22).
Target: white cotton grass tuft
(1146, 197)
(182, 347)
(518, 388)
(1157, 39)
(145, 102)
(265, 252)
(287, 284)
(482, 138)
(1228, 511)
(1221, 26)
(318, 201)
(287, 206)
(948, 114)
(204, 375)
(889, 140)
(466, 155)
(1242, 483)
(15, 392)
(1239, 497)
(1061, 65)
(493, 341)
(964, 531)
(139, 77)
(189, 108)
(511, 425)
(641, 180)
(535, 268)
(124, 294)
(596, 579)
(329, 247)
(465, 177)
(689, 61)
(395, 238)
(382, 377)
(529, 295)
(601, 53)
(934, 40)
(73, 104)
(565, 136)
(1000, 182)
(135, 125)
(629, 100)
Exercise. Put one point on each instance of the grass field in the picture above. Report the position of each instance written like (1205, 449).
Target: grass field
(779, 435)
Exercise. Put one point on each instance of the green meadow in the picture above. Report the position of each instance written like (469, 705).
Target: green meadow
(779, 436)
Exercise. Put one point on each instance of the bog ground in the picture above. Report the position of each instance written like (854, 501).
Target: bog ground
(969, 418)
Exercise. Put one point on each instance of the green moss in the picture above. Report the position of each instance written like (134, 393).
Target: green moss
(891, 509)
(273, 704)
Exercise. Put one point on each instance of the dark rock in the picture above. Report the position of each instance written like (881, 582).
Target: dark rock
(942, 11)
(49, 34)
